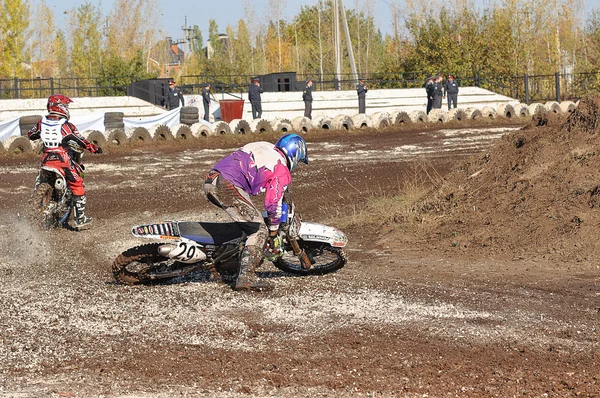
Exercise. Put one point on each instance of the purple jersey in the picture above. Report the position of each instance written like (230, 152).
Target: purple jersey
(259, 167)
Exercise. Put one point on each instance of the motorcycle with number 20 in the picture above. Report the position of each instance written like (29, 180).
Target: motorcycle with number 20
(186, 246)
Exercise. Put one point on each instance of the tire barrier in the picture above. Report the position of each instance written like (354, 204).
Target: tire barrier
(322, 122)
(189, 115)
(343, 122)
(552, 107)
(473, 113)
(18, 144)
(161, 132)
(116, 137)
(301, 124)
(400, 117)
(221, 128)
(522, 110)
(96, 137)
(457, 114)
(381, 120)
(113, 120)
(239, 126)
(437, 116)
(418, 116)
(282, 126)
(260, 126)
(536, 108)
(567, 107)
(201, 130)
(182, 132)
(138, 134)
(506, 110)
(27, 122)
(362, 121)
(489, 112)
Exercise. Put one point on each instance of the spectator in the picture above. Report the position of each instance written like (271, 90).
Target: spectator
(307, 98)
(254, 92)
(206, 100)
(438, 92)
(429, 86)
(451, 91)
(361, 90)
(174, 96)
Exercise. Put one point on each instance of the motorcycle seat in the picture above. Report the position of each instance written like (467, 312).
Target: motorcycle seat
(210, 233)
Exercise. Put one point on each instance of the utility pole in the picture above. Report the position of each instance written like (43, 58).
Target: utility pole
(187, 34)
(338, 61)
(348, 43)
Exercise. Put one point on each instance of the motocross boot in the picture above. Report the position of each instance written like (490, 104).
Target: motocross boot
(81, 219)
(247, 280)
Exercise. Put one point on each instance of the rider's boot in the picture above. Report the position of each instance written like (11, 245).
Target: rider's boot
(247, 278)
(81, 219)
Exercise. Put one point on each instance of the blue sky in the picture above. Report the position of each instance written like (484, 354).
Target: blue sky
(224, 12)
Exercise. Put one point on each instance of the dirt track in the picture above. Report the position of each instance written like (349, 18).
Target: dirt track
(396, 321)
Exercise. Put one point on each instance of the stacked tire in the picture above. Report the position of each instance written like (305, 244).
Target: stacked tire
(189, 115)
(27, 122)
(113, 120)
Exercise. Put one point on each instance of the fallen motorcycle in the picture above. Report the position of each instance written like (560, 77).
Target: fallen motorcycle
(308, 249)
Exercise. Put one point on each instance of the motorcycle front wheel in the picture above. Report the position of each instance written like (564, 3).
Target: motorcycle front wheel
(44, 207)
(323, 257)
(143, 265)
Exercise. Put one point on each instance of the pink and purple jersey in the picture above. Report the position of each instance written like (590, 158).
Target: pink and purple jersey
(259, 167)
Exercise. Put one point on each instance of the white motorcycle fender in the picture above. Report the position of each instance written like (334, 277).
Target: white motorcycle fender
(314, 232)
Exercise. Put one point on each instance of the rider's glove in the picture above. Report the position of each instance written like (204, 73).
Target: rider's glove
(274, 248)
(98, 150)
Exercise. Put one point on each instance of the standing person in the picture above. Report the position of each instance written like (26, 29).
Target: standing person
(438, 92)
(174, 96)
(206, 100)
(254, 168)
(307, 98)
(451, 91)
(63, 146)
(361, 90)
(254, 92)
(429, 86)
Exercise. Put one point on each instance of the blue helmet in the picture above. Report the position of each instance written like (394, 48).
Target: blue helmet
(294, 148)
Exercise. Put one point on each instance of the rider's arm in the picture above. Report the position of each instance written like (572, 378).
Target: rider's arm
(34, 133)
(274, 195)
(81, 140)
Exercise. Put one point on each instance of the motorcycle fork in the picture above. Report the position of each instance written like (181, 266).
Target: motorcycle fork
(300, 253)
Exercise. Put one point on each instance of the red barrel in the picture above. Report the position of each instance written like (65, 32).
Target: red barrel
(231, 109)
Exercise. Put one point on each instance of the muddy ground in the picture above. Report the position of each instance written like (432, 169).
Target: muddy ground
(412, 314)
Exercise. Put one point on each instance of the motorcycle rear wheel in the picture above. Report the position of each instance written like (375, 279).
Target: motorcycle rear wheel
(44, 207)
(324, 259)
(143, 265)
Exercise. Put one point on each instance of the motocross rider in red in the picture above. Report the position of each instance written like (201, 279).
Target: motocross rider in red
(63, 146)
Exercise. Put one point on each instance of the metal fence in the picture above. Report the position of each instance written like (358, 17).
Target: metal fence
(527, 89)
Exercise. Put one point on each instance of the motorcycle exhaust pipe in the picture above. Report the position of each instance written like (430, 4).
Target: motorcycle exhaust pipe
(59, 184)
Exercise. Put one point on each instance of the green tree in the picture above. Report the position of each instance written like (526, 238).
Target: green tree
(85, 41)
(14, 22)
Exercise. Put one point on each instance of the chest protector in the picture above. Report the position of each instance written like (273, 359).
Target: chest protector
(51, 133)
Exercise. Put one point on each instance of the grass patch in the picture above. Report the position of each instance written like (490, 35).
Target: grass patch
(403, 207)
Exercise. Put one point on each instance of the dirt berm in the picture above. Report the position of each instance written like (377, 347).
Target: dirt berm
(534, 193)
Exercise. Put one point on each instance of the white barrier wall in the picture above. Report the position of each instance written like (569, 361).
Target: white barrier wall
(87, 112)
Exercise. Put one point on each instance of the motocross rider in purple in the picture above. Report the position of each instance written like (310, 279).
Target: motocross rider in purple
(253, 169)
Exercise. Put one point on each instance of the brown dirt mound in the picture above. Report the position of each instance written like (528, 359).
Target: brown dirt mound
(535, 192)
